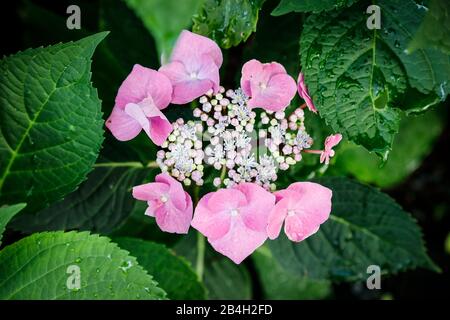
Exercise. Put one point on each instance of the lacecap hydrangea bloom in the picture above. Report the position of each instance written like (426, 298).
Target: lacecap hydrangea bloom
(240, 141)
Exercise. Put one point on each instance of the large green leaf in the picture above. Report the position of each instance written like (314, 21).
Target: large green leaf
(223, 279)
(366, 228)
(412, 144)
(6, 213)
(358, 77)
(286, 6)
(228, 22)
(277, 284)
(101, 204)
(37, 267)
(165, 19)
(51, 122)
(435, 28)
(172, 272)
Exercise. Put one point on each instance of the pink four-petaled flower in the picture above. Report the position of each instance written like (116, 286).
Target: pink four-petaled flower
(234, 220)
(268, 85)
(167, 202)
(303, 207)
(328, 152)
(193, 68)
(138, 103)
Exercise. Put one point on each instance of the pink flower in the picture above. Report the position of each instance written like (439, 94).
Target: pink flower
(328, 152)
(234, 220)
(138, 103)
(304, 94)
(268, 85)
(303, 207)
(193, 68)
(167, 202)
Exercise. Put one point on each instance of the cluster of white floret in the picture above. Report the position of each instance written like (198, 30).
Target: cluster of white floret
(231, 134)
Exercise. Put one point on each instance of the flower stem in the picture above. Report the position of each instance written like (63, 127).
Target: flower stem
(313, 151)
(130, 164)
(200, 263)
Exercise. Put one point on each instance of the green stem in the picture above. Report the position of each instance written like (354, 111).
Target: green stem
(200, 263)
(130, 164)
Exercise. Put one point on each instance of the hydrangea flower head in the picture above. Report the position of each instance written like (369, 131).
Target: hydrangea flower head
(247, 150)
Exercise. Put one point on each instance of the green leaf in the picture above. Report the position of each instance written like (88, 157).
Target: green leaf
(101, 204)
(223, 279)
(51, 122)
(358, 77)
(412, 144)
(6, 213)
(286, 6)
(277, 284)
(165, 19)
(228, 22)
(435, 28)
(366, 228)
(36, 267)
(172, 272)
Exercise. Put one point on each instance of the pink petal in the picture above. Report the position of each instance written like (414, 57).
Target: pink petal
(135, 111)
(314, 200)
(191, 82)
(172, 220)
(239, 242)
(276, 95)
(190, 45)
(251, 70)
(227, 200)
(332, 141)
(276, 219)
(211, 223)
(176, 193)
(274, 68)
(151, 119)
(304, 94)
(150, 191)
(324, 157)
(152, 206)
(298, 227)
(160, 129)
(142, 83)
(122, 126)
(259, 203)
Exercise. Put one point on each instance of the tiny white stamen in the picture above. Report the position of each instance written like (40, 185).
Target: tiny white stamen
(164, 199)
(234, 212)
(291, 213)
